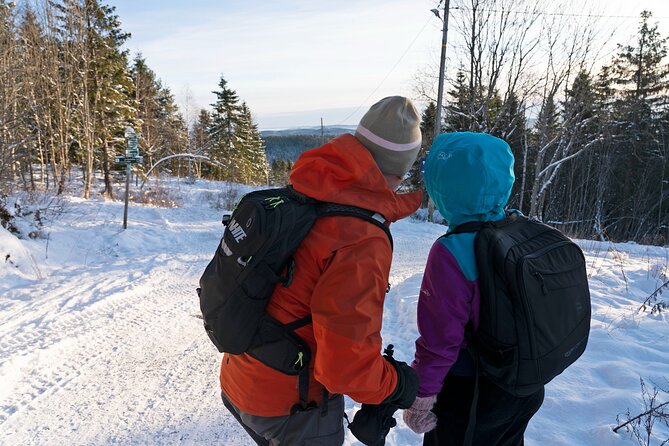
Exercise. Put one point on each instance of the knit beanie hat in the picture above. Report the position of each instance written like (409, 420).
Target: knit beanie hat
(390, 130)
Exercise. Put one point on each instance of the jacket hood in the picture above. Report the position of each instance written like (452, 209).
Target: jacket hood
(343, 171)
(469, 176)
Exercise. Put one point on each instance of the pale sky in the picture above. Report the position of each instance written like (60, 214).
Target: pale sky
(297, 61)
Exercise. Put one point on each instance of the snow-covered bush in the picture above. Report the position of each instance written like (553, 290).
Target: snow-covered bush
(24, 214)
(157, 195)
(226, 198)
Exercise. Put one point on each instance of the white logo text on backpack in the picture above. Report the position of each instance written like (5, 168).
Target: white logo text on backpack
(236, 230)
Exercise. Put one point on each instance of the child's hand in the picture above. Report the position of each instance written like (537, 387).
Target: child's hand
(419, 417)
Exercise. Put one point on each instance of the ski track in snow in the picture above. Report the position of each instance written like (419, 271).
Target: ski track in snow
(109, 351)
(104, 346)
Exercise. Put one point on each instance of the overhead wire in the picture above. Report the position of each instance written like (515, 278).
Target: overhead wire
(546, 13)
(389, 72)
(563, 14)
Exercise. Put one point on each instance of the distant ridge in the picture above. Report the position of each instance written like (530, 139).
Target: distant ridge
(333, 130)
(288, 144)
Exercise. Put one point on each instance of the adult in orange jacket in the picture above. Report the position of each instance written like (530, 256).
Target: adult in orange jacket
(341, 278)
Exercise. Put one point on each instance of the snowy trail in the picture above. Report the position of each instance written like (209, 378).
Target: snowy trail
(105, 348)
(109, 352)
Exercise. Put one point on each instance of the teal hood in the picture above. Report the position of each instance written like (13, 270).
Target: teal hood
(469, 176)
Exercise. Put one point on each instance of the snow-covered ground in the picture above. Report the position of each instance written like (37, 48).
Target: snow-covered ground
(100, 341)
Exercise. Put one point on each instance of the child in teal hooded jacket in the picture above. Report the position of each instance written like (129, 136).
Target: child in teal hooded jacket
(469, 177)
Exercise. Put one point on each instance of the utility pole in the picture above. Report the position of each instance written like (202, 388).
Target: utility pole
(442, 66)
(440, 92)
(322, 132)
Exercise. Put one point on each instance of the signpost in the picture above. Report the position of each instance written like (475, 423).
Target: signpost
(131, 157)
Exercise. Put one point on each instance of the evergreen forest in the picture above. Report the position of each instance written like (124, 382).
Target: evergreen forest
(590, 133)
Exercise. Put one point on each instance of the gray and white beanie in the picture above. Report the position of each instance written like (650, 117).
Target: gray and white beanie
(390, 130)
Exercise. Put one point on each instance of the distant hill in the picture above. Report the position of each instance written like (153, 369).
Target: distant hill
(328, 130)
(288, 144)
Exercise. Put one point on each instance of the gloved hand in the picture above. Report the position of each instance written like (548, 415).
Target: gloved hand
(407, 382)
(419, 417)
(372, 423)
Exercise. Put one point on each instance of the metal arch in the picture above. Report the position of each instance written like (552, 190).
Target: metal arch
(179, 155)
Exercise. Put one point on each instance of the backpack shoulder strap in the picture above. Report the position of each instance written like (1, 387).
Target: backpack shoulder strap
(299, 196)
(470, 226)
(475, 226)
(326, 209)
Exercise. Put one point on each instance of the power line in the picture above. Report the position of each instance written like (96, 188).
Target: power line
(389, 72)
(563, 14)
(464, 8)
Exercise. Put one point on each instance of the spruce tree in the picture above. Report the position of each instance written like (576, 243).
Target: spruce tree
(415, 177)
(110, 102)
(458, 116)
(163, 130)
(639, 78)
(545, 132)
(576, 184)
(146, 90)
(511, 126)
(172, 131)
(280, 172)
(222, 132)
(198, 140)
(252, 159)
(199, 136)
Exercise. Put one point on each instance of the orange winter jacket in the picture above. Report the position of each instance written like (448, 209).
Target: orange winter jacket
(341, 278)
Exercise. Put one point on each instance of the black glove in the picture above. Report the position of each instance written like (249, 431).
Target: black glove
(407, 382)
(372, 422)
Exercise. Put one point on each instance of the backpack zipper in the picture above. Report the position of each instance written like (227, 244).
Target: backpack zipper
(540, 276)
(519, 277)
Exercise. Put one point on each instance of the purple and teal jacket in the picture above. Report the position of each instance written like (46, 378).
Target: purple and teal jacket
(469, 177)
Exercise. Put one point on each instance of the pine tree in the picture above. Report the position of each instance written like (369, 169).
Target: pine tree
(572, 197)
(96, 68)
(472, 108)
(198, 140)
(545, 132)
(639, 78)
(511, 126)
(224, 122)
(251, 153)
(639, 71)
(146, 90)
(415, 178)
(111, 102)
(458, 117)
(280, 172)
(163, 129)
(199, 137)
(172, 131)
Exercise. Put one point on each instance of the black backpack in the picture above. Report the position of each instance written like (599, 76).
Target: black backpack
(255, 256)
(535, 303)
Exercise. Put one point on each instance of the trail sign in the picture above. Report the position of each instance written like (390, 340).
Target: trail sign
(129, 160)
(131, 157)
(132, 145)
